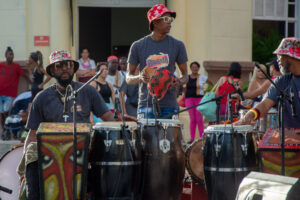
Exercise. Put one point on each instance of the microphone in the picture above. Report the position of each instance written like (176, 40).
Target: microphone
(244, 101)
(156, 107)
(66, 103)
(117, 105)
(294, 112)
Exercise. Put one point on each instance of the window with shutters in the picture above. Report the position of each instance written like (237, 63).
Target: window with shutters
(280, 15)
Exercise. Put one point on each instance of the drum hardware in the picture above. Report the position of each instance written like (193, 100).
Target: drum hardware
(245, 145)
(164, 144)
(217, 145)
(120, 142)
(107, 142)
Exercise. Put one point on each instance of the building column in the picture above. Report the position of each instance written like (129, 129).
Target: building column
(60, 25)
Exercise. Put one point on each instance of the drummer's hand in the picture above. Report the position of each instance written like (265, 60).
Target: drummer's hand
(246, 120)
(127, 118)
(175, 83)
(145, 77)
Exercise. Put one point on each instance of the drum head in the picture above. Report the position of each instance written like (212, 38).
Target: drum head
(194, 161)
(114, 126)
(227, 128)
(163, 122)
(9, 177)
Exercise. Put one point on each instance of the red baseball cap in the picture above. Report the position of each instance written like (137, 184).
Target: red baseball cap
(157, 11)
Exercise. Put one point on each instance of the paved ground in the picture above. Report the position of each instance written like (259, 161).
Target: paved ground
(6, 146)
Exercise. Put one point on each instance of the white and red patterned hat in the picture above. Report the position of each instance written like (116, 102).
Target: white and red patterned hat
(290, 47)
(58, 56)
(157, 11)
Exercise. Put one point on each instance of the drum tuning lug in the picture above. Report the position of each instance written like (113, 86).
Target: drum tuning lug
(143, 142)
(164, 145)
(107, 144)
(132, 143)
(245, 148)
(217, 149)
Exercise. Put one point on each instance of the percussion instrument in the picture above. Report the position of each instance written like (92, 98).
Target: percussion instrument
(269, 149)
(115, 159)
(270, 120)
(229, 155)
(163, 158)
(56, 161)
(194, 161)
(8, 174)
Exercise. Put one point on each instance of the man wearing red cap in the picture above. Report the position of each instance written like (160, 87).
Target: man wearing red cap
(48, 106)
(156, 55)
(288, 54)
(114, 77)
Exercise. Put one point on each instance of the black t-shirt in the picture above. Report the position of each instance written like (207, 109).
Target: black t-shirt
(48, 106)
(105, 91)
(191, 88)
(288, 83)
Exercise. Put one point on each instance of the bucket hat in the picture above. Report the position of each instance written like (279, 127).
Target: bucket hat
(290, 47)
(58, 56)
(157, 11)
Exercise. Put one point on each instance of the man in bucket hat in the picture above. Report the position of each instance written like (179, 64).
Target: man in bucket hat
(288, 53)
(156, 54)
(48, 106)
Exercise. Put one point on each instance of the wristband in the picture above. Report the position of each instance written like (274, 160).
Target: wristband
(256, 113)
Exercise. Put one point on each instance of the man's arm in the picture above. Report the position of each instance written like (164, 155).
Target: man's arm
(131, 78)
(31, 137)
(108, 116)
(259, 91)
(263, 107)
(184, 75)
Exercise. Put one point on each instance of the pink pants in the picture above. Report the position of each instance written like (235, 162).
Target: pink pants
(196, 117)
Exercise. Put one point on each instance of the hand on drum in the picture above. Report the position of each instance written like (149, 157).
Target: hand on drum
(246, 120)
(128, 118)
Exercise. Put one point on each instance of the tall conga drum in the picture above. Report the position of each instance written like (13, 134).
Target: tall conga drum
(115, 159)
(229, 155)
(163, 159)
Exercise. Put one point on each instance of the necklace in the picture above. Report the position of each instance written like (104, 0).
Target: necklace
(62, 96)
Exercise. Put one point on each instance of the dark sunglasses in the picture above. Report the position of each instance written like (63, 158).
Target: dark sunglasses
(67, 64)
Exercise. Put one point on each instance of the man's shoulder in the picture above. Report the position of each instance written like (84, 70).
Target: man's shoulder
(176, 41)
(285, 78)
(141, 41)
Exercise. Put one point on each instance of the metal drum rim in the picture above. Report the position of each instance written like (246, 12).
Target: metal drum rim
(187, 163)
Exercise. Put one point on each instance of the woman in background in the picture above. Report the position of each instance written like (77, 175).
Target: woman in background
(104, 88)
(193, 95)
(87, 67)
(35, 60)
(227, 84)
(257, 81)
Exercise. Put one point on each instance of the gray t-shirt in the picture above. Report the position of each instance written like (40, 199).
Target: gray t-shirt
(162, 54)
(287, 83)
(132, 94)
(48, 106)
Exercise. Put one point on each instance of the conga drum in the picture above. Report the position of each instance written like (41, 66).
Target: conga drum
(229, 155)
(9, 179)
(115, 159)
(163, 159)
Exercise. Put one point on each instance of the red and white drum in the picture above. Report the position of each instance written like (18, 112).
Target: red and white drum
(8, 174)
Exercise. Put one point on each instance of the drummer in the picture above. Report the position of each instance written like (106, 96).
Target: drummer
(156, 55)
(288, 53)
(48, 107)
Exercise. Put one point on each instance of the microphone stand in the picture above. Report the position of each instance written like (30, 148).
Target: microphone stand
(217, 99)
(73, 97)
(282, 97)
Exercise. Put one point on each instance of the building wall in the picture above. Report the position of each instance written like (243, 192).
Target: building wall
(13, 28)
(218, 30)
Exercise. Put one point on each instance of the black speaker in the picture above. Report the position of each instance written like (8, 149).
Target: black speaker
(263, 186)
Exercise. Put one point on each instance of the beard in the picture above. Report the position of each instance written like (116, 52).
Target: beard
(64, 82)
(285, 68)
